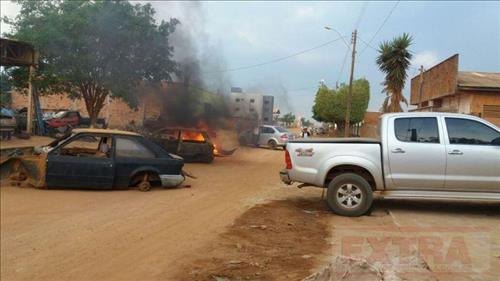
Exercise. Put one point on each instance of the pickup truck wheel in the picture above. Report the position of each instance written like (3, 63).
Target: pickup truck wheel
(349, 195)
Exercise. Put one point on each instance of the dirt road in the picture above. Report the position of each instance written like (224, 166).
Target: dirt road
(128, 235)
(215, 228)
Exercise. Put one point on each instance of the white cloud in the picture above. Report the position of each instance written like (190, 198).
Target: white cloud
(305, 12)
(248, 37)
(426, 58)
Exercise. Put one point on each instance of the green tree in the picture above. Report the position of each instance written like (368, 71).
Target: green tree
(321, 109)
(330, 104)
(394, 60)
(305, 122)
(287, 119)
(94, 49)
(5, 87)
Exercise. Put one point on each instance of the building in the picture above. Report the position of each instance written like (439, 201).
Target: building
(369, 126)
(446, 89)
(251, 106)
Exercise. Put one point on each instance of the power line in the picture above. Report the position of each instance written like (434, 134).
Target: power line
(275, 60)
(382, 25)
(361, 13)
(368, 44)
(343, 65)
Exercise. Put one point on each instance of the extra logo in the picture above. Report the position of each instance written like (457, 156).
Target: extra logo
(301, 152)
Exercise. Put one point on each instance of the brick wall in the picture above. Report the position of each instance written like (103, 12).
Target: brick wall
(116, 112)
(369, 129)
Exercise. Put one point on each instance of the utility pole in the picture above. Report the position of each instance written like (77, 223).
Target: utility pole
(421, 84)
(349, 95)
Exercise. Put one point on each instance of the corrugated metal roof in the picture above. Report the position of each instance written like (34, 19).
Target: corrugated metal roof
(478, 79)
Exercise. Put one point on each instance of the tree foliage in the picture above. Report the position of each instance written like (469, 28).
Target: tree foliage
(330, 104)
(5, 87)
(305, 122)
(94, 49)
(287, 119)
(394, 60)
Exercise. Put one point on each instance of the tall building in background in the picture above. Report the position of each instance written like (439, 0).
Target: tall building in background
(251, 106)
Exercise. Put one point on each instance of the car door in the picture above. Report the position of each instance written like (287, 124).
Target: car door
(266, 134)
(169, 139)
(131, 155)
(416, 153)
(473, 159)
(81, 170)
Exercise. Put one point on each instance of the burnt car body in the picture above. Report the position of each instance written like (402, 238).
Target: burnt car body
(98, 159)
(193, 145)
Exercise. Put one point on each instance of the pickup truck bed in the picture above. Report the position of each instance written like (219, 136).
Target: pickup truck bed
(314, 158)
(336, 140)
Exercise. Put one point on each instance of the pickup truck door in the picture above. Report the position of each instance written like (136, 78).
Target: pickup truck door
(416, 153)
(473, 159)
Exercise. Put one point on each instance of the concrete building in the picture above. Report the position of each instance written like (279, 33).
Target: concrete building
(251, 106)
(446, 89)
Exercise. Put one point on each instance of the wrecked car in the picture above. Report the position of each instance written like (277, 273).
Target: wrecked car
(97, 159)
(64, 120)
(193, 145)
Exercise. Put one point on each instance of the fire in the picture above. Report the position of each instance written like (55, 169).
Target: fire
(192, 136)
(216, 150)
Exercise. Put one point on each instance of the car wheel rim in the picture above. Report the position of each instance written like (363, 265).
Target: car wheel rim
(349, 196)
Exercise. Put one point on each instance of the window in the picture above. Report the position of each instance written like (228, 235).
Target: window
(237, 100)
(252, 100)
(251, 109)
(418, 129)
(266, 119)
(126, 147)
(281, 130)
(266, 130)
(437, 103)
(86, 145)
(169, 134)
(465, 131)
(237, 109)
(266, 102)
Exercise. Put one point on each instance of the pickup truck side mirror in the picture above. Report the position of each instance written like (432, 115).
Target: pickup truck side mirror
(496, 141)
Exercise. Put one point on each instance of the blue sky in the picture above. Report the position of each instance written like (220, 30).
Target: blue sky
(246, 33)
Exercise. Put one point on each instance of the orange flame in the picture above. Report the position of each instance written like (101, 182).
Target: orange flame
(192, 136)
(216, 150)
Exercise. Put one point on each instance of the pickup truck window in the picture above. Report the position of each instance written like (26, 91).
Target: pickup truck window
(417, 129)
(126, 147)
(465, 131)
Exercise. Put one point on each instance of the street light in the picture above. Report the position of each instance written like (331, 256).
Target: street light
(349, 95)
(340, 34)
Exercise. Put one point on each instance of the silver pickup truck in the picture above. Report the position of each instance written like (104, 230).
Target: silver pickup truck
(419, 155)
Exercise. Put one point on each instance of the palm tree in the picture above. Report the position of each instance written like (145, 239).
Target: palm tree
(394, 60)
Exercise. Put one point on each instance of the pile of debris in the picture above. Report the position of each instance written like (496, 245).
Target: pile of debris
(358, 269)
